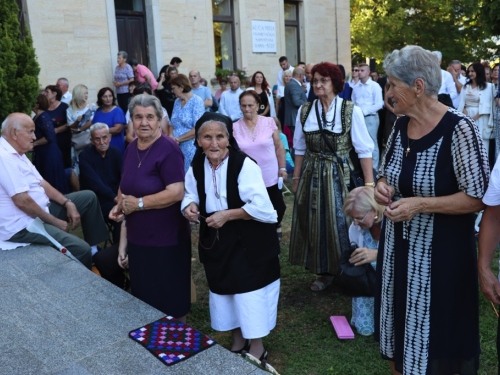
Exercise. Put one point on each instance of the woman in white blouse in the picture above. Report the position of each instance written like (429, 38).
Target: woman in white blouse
(476, 101)
(80, 114)
(325, 129)
(238, 247)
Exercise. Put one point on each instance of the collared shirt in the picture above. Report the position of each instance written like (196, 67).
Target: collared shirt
(308, 88)
(17, 175)
(492, 195)
(368, 97)
(204, 93)
(66, 98)
(463, 81)
(280, 76)
(230, 104)
(448, 85)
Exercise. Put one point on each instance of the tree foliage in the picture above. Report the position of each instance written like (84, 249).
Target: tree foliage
(18, 66)
(454, 27)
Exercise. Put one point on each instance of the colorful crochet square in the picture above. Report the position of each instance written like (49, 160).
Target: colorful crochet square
(170, 340)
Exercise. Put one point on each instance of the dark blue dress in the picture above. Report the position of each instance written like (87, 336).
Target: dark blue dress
(47, 158)
(58, 118)
(111, 118)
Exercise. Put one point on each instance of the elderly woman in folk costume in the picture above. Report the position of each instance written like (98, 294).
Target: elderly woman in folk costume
(238, 246)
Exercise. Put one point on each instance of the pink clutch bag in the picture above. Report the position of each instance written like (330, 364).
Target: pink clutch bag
(342, 327)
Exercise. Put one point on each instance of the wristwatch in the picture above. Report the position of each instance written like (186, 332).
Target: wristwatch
(141, 204)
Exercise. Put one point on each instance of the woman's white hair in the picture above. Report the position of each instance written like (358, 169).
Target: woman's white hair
(144, 100)
(223, 126)
(412, 62)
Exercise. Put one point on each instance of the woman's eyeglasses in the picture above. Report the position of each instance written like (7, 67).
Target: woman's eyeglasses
(355, 70)
(363, 219)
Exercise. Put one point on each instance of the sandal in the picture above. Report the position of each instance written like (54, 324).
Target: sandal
(262, 362)
(243, 350)
(321, 283)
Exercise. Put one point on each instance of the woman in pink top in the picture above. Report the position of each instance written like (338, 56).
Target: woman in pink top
(259, 138)
(143, 74)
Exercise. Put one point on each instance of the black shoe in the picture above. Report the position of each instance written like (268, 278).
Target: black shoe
(243, 350)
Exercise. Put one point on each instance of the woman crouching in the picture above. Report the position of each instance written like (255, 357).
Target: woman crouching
(238, 246)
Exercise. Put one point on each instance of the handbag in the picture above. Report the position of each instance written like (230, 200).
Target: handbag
(355, 281)
(356, 177)
(80, 140)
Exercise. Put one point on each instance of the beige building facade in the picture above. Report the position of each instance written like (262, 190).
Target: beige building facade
(79, 39)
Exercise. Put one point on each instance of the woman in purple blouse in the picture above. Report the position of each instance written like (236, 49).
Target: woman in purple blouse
(149, 198)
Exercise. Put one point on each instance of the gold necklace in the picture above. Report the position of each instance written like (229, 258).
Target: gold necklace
(409, 144)
(149, 148)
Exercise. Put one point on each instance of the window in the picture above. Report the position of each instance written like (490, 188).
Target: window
(292, 33)
(130, 5)
(223, 13)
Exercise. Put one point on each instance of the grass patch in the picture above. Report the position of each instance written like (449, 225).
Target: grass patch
(304, 341)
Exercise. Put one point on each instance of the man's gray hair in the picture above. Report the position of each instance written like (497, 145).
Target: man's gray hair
(123, 54)
(65, 80)
(145, 100)
(10, 123)
(453, 62)
(438, 54)
(224, 127)
(414, 62)
(97, 126)
(297, 72)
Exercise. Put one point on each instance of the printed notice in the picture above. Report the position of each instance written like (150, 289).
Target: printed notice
(264, 36)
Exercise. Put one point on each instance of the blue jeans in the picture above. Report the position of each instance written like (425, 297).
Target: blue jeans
(372, 122)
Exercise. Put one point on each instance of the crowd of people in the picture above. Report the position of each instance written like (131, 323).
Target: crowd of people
(398, 166)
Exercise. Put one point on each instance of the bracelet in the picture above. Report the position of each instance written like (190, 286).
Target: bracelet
(372, 184)
(67, 200)
(295, 178)
(283, 169)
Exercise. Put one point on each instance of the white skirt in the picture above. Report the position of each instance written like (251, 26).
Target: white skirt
(254, 312)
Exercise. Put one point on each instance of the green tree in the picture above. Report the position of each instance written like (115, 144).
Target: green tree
(453, 27)
(18, 66)
(490, 17)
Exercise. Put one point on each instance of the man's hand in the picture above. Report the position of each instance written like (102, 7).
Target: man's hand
(61, 224)
(73, 215)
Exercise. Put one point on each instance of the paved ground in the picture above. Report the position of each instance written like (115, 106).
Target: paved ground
(56, 317)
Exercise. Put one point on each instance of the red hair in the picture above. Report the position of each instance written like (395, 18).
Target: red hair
(327, 69)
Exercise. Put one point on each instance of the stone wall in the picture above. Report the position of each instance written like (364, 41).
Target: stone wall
(76, 39)
(71, 40)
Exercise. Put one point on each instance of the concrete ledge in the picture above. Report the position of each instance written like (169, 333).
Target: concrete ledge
(56, 317)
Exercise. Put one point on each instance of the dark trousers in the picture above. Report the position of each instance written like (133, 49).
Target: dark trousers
(93, 227)
(106, 261)
(115, 227)
(123, 100)
(276, 197)
(498, 345)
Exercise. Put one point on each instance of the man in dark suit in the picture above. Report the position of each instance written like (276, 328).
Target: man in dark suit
(295, 96)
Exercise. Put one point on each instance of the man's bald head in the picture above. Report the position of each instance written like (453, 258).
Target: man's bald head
(19, 130)
(14, 121)
(308, 72)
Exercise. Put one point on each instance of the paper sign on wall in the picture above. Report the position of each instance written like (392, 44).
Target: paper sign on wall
(264, 36)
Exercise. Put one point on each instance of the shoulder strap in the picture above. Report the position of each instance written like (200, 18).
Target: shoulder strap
(304, 113)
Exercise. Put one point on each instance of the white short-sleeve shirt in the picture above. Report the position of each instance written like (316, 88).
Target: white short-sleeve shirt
(17, 175)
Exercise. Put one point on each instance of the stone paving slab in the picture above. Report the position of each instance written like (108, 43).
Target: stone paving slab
(57, 317)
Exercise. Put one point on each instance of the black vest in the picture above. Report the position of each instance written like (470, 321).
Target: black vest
(258, 240)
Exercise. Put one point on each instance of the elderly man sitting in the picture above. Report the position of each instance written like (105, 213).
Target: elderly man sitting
(101, 170)
(25, 195)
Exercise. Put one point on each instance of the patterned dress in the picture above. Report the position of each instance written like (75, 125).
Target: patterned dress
(319, 228)
(428, 301)
(183, 120)
(362, 307)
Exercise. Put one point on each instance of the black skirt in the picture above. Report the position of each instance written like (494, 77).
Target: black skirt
(161, 276)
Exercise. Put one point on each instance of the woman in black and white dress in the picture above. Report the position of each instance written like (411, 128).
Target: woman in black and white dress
(431, 180)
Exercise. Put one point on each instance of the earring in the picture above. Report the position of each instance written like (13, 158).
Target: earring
(376, 217)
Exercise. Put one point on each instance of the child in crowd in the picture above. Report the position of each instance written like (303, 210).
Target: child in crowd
(289, 161)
